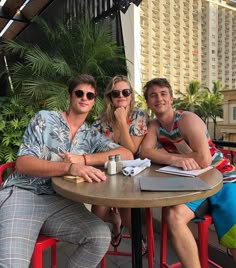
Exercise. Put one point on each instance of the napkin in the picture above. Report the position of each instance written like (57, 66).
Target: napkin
(133, 167)
(132, 163)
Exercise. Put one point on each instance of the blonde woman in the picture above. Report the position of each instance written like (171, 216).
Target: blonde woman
(127, 126)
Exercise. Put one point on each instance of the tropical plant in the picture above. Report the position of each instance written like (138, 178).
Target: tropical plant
(212, 107)
(206, 103)
(212, 104)
(190, 99)
(67, 49)
(14, 117)
(42, 70)
(140, 102)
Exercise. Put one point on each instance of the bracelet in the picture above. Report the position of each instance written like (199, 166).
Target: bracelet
(85, 160)
(70, 168)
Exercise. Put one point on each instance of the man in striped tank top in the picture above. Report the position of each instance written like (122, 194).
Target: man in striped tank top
(181, 139)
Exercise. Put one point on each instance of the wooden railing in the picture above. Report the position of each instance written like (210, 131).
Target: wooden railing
(224, 143)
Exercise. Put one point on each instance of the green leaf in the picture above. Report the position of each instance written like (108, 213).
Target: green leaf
(71, 47)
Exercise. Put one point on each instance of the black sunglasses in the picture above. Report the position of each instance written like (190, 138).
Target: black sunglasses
(125, 93)
(90, 95)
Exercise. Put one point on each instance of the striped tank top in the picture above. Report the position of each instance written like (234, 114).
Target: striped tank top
(173, 142)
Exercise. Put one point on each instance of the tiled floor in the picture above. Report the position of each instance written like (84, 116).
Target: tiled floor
(64, 250)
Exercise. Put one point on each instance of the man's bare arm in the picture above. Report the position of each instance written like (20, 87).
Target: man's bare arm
(96, 158)
(193, 129)
(101, 158)
(149, 147)
(34, 166)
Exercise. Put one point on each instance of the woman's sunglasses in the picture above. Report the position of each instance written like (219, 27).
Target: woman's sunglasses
(90, 95)
(125, 93)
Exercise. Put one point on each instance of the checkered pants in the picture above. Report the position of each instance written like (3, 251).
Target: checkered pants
(24, 214)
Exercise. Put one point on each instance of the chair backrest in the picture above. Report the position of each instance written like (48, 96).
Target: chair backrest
(229, 154)
(4, 167)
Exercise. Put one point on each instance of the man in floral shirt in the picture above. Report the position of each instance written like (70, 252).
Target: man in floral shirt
(28, 203)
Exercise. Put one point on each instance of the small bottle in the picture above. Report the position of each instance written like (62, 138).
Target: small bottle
(119, 164)
(111, 165)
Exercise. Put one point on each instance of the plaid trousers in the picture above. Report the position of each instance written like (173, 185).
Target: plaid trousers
(24, 214)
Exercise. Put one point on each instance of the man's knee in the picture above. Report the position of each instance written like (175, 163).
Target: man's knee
(99, 230)
(99, 238)
(178, 215)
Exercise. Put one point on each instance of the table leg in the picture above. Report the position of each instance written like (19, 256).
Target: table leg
(136, 222)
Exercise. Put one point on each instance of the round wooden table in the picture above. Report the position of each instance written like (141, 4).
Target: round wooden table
(121, 191)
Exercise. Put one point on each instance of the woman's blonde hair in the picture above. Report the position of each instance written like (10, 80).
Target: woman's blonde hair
(108, 111)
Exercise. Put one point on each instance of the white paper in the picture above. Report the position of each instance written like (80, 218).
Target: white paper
(179, 171)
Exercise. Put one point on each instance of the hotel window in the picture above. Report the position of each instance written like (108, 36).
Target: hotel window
(234, 113)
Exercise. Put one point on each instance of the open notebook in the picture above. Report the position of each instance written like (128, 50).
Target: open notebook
(181, 172)
(176, 184)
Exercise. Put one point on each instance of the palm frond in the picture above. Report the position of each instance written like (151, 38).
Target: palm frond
(57, 98)
(16, 47)
(96, 110)
(39, 61)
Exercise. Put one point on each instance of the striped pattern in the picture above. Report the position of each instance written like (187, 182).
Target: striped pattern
(170, 140)
(24, 214)
(222, 204)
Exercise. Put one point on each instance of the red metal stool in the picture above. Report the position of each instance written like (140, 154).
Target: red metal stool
(43, 241)
(202, 244)
(229, 154)
(149, 238)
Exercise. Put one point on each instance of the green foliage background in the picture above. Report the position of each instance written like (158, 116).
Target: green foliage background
(14, 118)
(40, 73)
(206, 103)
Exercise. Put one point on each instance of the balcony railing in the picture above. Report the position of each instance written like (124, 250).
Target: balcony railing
(228, 149)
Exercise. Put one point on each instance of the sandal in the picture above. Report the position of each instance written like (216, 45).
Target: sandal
(116, 239)
(228, 252)
(144, 247)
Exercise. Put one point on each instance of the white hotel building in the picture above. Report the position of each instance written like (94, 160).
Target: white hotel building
(184, 40)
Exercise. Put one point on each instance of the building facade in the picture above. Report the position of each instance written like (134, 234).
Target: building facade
(183, 41)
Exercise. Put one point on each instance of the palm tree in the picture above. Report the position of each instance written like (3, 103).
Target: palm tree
(217, 86)
(41, 72)
(206, 103)
(212, 104)
(69, 48)
(190, 99)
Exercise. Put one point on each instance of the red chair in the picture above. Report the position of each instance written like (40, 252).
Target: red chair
(149, 238)
(202, 244)
(229, 154)
(43, 241)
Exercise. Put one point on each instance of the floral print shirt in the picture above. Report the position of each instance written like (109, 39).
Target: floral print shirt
(137, 124)
(47, 135)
